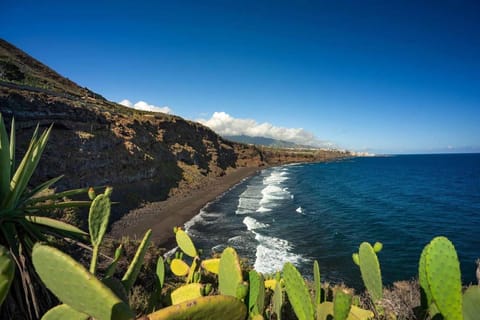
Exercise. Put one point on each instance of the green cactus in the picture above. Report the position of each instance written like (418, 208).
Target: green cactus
(278, 300)
(97, 223)
(441, 278)
(211, 265)
(317, 283)
(192, 273)
(62, 312)
(370, 270)
(136, 264)
(471, 303)
(179, 267)
(210, 307)
(424, 286)
(113, 265)
(230, 273)
(160, 272)
(77, 287)
(186, 292)
(256, 298)
(91, 193)
(185, 243)
(342, 303)
(297, 292)
(7, 272)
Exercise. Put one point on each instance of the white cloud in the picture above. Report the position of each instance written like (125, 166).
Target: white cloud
(142, 105)
(226, 125)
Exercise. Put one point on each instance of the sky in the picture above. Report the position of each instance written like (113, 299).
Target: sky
(375, 76)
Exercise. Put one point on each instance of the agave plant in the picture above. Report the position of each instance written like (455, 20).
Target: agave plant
(22, 214)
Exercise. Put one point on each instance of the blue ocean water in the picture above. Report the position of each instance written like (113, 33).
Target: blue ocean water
(323, 211)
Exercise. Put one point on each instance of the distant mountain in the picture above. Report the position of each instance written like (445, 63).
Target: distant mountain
(263, 141)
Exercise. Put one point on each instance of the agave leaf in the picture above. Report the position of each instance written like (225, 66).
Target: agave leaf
(12, 146)
(59, 195)
(56, 224)
(59, 205)
(26, 168)
(47, 184)
(4, 160)
(134, 267)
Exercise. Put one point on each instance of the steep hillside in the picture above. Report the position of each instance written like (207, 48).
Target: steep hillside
(146, 156)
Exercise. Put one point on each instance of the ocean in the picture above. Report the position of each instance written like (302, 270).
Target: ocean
(323, 211)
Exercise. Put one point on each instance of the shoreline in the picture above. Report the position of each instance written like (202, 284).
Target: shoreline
(163, 216)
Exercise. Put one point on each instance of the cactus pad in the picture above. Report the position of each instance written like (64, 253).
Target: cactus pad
(471, 303)
(98, 218)
(185, 243)
(179, 267)
(256, 298)
(316, 281)
(75, 286)
(370, 270)
(186, 292)
(211, 265)
(278, 300)
(63, 312)
(342, 303)
(444, 278)
(230, 273)
(297, 292)
(211, 307)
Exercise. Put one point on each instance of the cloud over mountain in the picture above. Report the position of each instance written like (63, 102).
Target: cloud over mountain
(226, 125)
(142, 105)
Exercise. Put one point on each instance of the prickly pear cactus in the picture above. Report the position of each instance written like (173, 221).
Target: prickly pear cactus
(98, 217)
(211, 307)
(471, 303)
(75, 286)
(256, 298)
(342, 303)
(134, 268)
(230, 273)
(442, 271)
(160, 271)
(63, 312)
(370, 270)
(185, 243)
(7, 271)
(297, 292)
(211, 265)
(278, 300)
(179, 267)
(316, 281)
(186, 292)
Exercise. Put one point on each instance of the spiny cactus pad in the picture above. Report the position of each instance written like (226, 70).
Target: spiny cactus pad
(444, 279)
(256, 298)
(370, 270)
(63, 312)
(204, 308)
(342, 303)
(160, 271)
(186, 292)
(185, 243)
(297, 292)
(471, 303)
(179, 267)
(211, 265)
(316, 281)
(278, 300)
(75, 286)
(98, 218)
(230, 273)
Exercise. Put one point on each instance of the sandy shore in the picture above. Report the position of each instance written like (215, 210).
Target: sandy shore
(162, 216)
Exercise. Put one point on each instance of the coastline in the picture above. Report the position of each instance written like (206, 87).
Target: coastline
(175, 211)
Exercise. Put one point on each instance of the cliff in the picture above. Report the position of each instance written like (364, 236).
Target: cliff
(146, 156)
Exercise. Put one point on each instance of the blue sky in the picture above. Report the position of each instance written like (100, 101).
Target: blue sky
(380, 76)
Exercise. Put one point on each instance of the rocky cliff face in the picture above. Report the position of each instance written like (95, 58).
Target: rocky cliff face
(97, 142)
